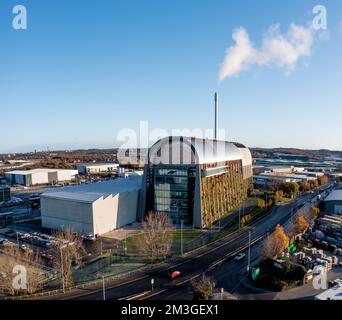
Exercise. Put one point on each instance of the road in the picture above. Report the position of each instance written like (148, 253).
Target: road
(203, 260)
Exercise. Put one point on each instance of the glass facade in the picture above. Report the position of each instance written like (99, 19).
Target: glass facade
(5, 194)
(171, 194)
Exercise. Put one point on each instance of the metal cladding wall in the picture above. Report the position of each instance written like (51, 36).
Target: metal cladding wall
(98, 217)
(58, 214)
(66, 175)
(39, 178)
(333, 206)
(223, 176)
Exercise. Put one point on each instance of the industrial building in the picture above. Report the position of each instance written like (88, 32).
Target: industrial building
(95, 208)
(195, 180)
(5, 194)
(40, 176)
(333, 202)
(95, 168)
(265, 179)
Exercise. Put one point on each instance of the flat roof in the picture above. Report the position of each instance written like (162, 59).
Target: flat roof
(93, 191)
(334, 293)
(336, 195)
(43, 170)
(283, 176)
(95, 164)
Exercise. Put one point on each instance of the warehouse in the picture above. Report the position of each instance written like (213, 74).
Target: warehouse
(94, 208)
(266, 179)
(40, 176)
(333, 202)
(95, 168)
(195, 180)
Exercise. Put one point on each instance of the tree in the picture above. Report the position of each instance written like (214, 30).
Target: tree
(324, 180)
(275, 243)
(290, 188)
(202, 288)
(305, 186)
(314, 184)
(261, 203)
(301, 224)
(313, 213)
(157, 237)
(279, 194)
(35, 276)
(68, 250)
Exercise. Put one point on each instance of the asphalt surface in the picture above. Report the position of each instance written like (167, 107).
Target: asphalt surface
(215, 259)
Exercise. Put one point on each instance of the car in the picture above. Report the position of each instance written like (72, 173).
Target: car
(239, 257)
(174, 274)
(3, 241)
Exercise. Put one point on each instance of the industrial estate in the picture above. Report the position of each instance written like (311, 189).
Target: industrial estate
(270, 218)
(186, 217)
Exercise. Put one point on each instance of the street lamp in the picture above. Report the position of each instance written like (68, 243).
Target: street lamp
(103, 288)
(249, 250)
(182, 223)
(239, 218)
(62, 267)
(152, 283)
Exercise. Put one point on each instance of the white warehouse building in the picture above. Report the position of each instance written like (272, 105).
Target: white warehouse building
(40, 176)
(93, 168)
(95, 208)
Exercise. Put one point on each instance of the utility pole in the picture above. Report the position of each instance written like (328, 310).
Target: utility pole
(152, 283)
(17, 238)
(249, 250)
(62, 268)
(103, 288)
(239, 218)
(182, 250)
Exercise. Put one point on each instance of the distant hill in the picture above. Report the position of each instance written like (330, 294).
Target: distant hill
(312, 154)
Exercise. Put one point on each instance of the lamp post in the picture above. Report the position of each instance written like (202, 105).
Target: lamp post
(239, 218)
(249, 250)
(103, 288)
(62, 267)
(182, 225)
(17, 238)
(152, 283)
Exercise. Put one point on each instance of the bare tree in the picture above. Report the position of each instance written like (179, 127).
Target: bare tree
(35, 275)
(68, 250)
(202, 288)
(156, 240)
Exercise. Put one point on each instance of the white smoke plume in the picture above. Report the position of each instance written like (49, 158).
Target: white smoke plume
(276, 50)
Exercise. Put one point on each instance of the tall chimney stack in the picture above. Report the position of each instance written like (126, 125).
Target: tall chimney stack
(216, 115)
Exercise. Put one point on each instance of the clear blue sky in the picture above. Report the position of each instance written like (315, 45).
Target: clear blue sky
(85, 69)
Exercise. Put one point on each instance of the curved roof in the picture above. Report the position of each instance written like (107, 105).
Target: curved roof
(186, 150)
